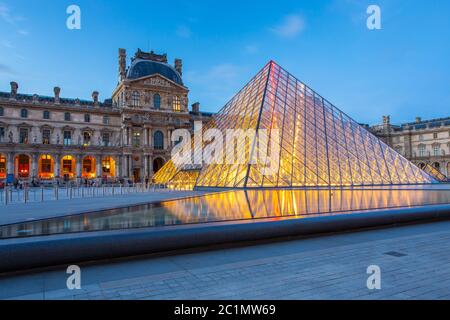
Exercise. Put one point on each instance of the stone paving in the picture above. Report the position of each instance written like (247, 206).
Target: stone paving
(19, 212)
(327, 267)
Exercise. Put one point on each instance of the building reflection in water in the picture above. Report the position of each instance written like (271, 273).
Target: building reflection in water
(231, 205)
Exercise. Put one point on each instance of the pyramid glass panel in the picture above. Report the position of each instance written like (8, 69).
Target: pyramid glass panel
(310, 143)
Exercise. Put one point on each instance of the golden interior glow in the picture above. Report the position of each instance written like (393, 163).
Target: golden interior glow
(3, 167)
(320, 146)
(88, 169)
(46, 166)
(68, 167)
(108, 167)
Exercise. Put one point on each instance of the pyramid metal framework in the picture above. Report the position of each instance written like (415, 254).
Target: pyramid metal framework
(319, 144)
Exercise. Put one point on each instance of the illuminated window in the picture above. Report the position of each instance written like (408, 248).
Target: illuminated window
(135, 99)
(46, 136)
(108, 167)
(23, 166)
(68, 166)
(136, 138)
(158, 140)
(88, 167)
(157, 101)
(24, 113)
(176, 104)
(2, 166)
(46, 164)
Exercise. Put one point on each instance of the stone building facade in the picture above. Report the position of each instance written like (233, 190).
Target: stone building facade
(424, 142)
(125, 137)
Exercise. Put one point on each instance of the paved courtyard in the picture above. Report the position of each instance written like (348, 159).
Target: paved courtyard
(19, 212)
(414, 262)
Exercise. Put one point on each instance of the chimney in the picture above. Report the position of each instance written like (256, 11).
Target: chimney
(95, 97)
(386, 121)
(57, 91)
(179, 66)
(14, 87)
(196, 107)
(122, 64)
(418, 119)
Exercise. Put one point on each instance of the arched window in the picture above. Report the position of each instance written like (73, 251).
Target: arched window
(158, 140)
(176, 104)
(157, 101)
(24, 113)
(135, 98)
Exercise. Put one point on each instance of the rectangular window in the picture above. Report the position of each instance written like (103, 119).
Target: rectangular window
(67, 138)
(435, 135)
(23, 135)
(105, 138)
(2, 134)
(436, 151)
(106, 120)
(46, 136)
(67, 116)
(136, 139)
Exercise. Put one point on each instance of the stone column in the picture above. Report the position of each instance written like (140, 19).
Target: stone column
(10, 163)
(78, 160)
(98, 163)
(145, 172)
(145, 137)
(57, 166)
(34, 165)
(118, 167)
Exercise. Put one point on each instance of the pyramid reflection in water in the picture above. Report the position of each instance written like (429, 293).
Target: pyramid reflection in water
(319, 144)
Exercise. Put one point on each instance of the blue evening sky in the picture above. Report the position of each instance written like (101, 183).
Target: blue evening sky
(402, 70)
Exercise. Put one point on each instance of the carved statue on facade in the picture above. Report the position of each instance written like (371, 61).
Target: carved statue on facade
(11, 137)
(57, 138)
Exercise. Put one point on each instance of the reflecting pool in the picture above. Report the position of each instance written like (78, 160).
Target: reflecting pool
(230, 206)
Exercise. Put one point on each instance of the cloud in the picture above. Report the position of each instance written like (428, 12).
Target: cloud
(6, 44)
(23, 32)
(251, 49)
(5, 70)
(184, 31)
(7, 16)
(290, 27)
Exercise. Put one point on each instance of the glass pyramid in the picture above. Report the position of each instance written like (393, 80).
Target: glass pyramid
(318, 144)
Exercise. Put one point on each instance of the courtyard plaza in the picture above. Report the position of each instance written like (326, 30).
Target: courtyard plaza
(414, 263)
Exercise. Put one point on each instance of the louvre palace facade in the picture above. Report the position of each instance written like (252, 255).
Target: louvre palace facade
(125, 137)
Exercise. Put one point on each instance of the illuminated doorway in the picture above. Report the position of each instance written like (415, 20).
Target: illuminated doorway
(88, 168)
(2, 166)
(108, 167)
(68, 167)
(46, 167)
(22, 166)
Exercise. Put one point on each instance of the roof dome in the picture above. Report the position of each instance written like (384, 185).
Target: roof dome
(143, 68)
